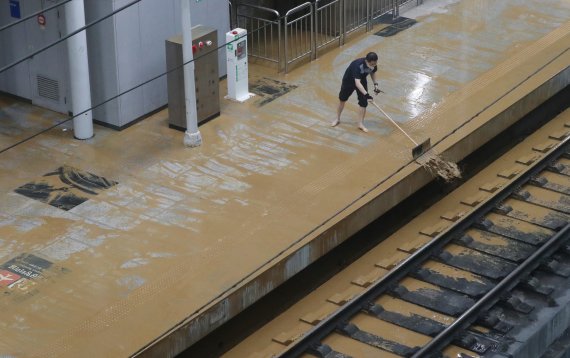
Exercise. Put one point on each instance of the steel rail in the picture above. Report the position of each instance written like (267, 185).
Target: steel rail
(312, 339)
(442, 340)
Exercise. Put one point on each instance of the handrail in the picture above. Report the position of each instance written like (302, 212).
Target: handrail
(332, 3)
(263, 8)
(295, 21)
(233, 24)
(268, 24)
(297, 8)
(348, 15)
(327, 9)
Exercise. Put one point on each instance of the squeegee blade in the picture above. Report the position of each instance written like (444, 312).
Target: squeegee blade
(420, 149)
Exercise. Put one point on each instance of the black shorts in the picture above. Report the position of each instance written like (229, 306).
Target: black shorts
(346, 90)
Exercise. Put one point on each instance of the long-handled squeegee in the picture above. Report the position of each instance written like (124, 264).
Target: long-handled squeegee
(419, 149)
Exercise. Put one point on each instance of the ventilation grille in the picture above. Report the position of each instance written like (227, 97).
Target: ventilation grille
(48, 88)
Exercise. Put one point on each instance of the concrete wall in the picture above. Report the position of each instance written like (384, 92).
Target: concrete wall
(136, 41)
(42, 79)
(124, 51)
(216, 14)
(13, 45)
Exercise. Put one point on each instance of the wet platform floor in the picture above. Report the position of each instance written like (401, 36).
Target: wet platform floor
(129, 238)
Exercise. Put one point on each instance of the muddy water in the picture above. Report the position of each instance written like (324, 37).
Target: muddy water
(389, 248)
(183, 226)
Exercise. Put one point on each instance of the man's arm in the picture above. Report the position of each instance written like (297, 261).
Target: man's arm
(359, 86)
(377, 89)
(373, 76)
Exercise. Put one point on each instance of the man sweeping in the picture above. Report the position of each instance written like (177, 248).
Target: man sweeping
(355, 79)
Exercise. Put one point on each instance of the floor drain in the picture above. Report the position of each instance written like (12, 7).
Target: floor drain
(396, 25)
(268, 89)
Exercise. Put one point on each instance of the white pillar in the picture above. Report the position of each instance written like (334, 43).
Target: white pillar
(192, 137)
(79, 70)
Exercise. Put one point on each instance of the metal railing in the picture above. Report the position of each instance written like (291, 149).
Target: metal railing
(309, 27)
(233, 19)
(299, 32)
(381, 7)
(263, 27)
(328, 23)
(356, 15)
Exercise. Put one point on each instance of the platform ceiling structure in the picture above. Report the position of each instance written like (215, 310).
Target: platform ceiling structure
(130, 243)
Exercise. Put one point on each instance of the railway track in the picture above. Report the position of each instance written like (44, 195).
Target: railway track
(460, 285)
(485, 274)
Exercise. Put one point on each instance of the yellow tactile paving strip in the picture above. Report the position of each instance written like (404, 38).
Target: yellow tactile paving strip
(183, 228)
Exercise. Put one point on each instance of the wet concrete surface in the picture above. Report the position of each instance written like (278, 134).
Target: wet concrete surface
(184, 228)
(421, 306)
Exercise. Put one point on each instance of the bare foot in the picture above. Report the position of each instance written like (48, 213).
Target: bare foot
(335, 123)
(363, 128)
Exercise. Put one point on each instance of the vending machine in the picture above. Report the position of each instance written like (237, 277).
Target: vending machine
(236, 49)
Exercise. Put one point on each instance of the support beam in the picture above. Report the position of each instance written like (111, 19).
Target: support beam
(192, 137)
(80, 85)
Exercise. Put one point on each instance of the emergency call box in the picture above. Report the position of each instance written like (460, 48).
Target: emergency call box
(237, 67)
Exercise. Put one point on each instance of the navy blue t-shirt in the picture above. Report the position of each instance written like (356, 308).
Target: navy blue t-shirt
(357, 70)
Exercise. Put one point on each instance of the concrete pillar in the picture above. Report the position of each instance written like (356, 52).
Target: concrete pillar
(79, 70)
(192, 137)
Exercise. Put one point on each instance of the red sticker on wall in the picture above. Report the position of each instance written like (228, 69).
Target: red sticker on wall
(41, 20)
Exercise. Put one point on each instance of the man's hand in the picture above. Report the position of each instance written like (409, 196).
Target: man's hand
(377, 89)
(368, 97)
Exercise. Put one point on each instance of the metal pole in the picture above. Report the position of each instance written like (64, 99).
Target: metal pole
(313, 35)
(279, 44)
(286, 44)
(342, 21)
(397, 9)
(316, 28)
(192, 137)
(368, 16)
(80, 86)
